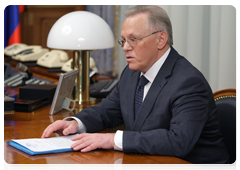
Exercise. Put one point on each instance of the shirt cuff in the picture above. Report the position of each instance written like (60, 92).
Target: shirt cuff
(81, 127)
(118, 140)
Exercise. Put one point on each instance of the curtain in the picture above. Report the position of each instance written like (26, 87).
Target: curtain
(103, 58)
(206, 36)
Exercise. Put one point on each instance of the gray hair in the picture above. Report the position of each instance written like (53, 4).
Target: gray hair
(157, 18)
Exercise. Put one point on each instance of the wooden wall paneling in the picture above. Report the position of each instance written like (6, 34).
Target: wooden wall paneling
(37, 20)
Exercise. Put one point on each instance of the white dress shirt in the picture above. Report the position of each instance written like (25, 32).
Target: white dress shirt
(150, 75)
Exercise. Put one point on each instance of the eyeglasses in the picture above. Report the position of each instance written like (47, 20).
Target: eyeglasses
(133, 41)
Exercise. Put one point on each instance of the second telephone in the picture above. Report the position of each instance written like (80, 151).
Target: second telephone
(53, 59)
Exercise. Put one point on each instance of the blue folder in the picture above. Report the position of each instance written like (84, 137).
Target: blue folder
(30, 152)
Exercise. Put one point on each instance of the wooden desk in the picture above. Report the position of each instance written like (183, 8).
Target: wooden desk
(23, 125)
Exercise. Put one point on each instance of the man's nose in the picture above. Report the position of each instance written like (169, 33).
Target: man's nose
(126, 46)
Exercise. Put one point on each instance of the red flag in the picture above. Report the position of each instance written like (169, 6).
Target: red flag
(21, 8)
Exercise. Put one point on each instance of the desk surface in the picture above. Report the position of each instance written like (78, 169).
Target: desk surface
(23, 125)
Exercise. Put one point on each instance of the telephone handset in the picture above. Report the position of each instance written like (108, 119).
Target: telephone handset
(54, 58)
(14, 49)
(30, 53)
(68, 65)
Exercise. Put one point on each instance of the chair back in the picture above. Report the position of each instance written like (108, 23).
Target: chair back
(226, 107)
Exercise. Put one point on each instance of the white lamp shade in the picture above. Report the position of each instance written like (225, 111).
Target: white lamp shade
(80, 30)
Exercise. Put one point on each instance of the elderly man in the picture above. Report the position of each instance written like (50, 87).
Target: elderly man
(165, 103)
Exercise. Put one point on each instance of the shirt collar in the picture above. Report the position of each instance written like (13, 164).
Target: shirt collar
(152, 72)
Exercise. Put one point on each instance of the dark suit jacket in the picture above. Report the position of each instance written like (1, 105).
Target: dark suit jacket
(177, 118)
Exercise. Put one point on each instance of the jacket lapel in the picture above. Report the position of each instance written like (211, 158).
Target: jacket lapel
(149, 101)
(131, 98)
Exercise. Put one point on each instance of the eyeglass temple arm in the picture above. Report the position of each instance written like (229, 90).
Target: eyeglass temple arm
(147, 35)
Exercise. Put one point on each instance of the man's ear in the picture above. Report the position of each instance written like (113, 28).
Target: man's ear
(162, 40)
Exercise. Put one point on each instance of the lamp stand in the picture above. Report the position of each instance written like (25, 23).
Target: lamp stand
(82, 62)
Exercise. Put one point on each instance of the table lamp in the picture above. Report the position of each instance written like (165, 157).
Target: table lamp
(81, 32)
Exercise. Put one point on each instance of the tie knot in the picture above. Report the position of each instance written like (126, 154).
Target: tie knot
(143, 81)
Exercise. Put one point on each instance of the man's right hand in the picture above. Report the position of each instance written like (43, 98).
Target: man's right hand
(61, 126)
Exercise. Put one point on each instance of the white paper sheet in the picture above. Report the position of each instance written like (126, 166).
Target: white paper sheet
(46, 144)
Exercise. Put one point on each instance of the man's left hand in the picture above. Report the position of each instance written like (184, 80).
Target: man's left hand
(90, 141)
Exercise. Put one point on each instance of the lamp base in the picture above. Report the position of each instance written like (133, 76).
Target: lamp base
(91, 101)
(81, 94)
(84, 104)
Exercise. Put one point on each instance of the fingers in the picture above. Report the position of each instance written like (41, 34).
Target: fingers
(66, 127)
(80, 136)
(71, 128)
(89, 148)
(88, 142)
(48, 131)
(85, 142)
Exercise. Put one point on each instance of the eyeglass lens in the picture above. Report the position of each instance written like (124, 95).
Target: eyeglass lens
(130, 42)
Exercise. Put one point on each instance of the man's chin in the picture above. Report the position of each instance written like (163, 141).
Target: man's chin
(131, 67)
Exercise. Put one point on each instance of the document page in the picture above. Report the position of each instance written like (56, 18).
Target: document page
(47, 144)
